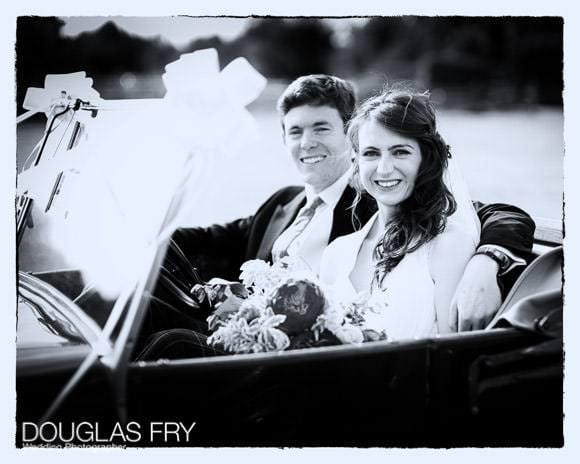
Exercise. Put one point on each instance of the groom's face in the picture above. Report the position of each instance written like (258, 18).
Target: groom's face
(315, 139)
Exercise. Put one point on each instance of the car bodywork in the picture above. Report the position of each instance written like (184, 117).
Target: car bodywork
(494, 387)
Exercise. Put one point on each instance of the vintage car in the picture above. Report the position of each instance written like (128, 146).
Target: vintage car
(79, 382)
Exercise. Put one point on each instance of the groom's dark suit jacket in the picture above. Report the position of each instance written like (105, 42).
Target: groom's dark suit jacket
(220, 250)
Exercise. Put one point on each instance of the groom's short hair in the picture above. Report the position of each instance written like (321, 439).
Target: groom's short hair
(318, 90)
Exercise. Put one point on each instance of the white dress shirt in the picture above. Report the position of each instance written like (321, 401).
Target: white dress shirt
(310, 244)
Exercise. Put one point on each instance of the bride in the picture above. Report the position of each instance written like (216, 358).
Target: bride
(413, 251)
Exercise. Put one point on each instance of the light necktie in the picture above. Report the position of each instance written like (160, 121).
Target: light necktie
(297, 227)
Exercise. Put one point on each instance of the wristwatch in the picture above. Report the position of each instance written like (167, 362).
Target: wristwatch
(502, 259)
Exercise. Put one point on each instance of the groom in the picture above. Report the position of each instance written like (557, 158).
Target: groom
(301, 221)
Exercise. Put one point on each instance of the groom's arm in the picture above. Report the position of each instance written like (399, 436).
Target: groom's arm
(220, 250)
(216, 239)
(507, 237)
(217, 250)
(508, 227)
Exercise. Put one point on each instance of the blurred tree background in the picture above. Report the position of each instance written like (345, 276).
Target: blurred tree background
(469, 62)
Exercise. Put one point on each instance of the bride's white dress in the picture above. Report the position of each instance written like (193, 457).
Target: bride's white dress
(408, 289)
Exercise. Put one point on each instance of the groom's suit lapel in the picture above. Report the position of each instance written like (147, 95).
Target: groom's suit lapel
(343, 222)
(281, 219)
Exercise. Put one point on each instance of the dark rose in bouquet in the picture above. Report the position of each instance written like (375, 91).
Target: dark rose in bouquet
(301, 301)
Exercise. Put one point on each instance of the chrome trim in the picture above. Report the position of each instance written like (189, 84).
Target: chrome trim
(39, 292)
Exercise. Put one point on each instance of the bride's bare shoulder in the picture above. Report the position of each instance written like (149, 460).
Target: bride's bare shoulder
(454, 246)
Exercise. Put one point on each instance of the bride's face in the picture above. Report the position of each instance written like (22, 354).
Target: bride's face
(388, 163)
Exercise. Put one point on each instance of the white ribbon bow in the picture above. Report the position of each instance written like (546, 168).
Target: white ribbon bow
(121, 180)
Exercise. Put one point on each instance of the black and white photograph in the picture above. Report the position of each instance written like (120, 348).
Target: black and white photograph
(289, 231)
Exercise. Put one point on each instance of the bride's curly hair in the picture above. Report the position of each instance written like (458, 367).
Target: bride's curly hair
(424, 214)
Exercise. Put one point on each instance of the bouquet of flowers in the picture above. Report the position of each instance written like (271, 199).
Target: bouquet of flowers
(282, 306)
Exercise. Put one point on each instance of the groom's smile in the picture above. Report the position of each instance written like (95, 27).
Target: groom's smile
(312, 159)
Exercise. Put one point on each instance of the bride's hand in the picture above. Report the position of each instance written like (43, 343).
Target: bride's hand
(477, 297)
